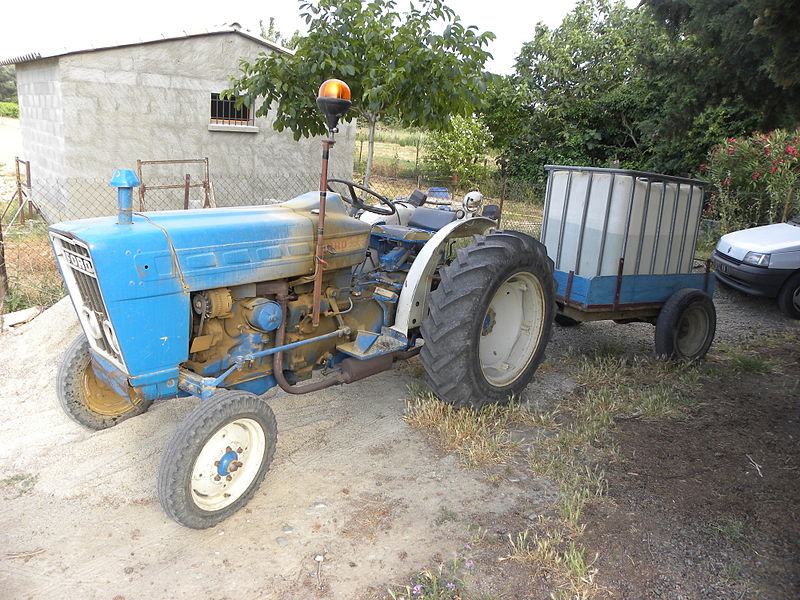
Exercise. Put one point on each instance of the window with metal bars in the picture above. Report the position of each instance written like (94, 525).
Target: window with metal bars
(224, 112)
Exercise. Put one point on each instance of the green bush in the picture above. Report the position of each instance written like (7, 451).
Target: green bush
(9, 109)
(460, 151)
(756, 179)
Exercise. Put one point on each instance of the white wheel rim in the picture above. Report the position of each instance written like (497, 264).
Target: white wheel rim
(227, 464)
(511, 328)
(692, 331)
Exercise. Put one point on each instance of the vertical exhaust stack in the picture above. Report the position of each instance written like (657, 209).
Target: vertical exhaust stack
(333, 100)
(124, 180)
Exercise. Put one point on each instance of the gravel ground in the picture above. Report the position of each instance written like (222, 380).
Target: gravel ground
(351, 482)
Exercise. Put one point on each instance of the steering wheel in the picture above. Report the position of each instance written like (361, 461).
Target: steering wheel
(358, 203)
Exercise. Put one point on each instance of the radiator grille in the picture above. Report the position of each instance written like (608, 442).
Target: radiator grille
(78, 269)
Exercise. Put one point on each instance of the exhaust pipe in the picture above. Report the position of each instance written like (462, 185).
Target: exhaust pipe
(124, 180)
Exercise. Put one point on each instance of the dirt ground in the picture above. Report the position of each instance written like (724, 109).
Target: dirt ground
(687, 516)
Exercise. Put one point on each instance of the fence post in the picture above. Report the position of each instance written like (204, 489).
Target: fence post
(3, 273)
(20, 195)
(186, 192)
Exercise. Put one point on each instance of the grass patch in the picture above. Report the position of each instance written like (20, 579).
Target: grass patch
(445, 582)
(750, 363)
(561, 557)
(19, 484)
(480, 438)
(731, 529)
(9, 109)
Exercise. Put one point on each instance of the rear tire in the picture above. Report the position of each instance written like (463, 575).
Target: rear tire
(489, 320)
(217, 458)
(789, 297)
(85, 398)
(686, 325)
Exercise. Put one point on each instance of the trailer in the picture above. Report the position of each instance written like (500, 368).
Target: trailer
(623, 244)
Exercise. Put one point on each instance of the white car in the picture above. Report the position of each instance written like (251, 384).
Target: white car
(763, 261)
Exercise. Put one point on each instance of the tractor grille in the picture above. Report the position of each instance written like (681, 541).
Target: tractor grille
(81, 280)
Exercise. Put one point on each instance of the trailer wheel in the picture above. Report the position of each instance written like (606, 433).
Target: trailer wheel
(217, 458)
(686, 325)
(85, 398)
(489, 320)
(789, 297)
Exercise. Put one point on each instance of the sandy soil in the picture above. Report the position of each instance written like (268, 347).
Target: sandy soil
(350, 481)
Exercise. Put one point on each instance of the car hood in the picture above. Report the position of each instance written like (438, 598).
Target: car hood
(772, 239)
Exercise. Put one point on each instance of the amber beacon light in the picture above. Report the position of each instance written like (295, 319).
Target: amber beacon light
(333, 100)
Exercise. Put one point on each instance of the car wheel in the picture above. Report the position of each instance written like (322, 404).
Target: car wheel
(789, 297)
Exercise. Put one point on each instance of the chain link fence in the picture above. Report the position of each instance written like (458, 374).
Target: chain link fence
(33, 277)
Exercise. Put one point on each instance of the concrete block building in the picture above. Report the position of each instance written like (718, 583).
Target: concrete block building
(84, 113)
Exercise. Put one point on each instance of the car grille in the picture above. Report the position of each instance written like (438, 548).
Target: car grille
(81, 279)
(735, 261)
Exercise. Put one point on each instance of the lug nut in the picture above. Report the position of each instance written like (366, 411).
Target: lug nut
(216, 463)
(228, 478)
(228, 449)
(239, 451)
(217, 477)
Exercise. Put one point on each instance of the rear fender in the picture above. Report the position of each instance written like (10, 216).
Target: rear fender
(412, 306)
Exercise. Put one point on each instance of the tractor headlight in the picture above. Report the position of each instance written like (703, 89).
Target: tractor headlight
(757, 259)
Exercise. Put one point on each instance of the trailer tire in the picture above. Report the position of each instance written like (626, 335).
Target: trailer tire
(478, 349)
(86, 399)
(201, 480)
(789, 297)
(686, 325)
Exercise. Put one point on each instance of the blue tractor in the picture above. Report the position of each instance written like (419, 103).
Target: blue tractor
(325, 289)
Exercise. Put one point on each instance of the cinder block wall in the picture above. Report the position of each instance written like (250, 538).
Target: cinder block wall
(86, 114)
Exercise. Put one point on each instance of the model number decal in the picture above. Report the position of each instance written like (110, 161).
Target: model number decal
(81, 263)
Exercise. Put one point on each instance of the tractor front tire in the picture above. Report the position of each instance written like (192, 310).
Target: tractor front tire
(489, 320)
(85, 398)
(217, 458)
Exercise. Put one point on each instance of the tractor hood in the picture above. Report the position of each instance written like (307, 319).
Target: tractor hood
(131, 283)
(187, 250)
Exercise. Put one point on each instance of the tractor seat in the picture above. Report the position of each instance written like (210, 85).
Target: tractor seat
(431, 219)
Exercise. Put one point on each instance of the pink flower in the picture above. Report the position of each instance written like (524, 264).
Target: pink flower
(726, 182)
(417, 590)
(731, 150)
(755, 175)
(703, 167)
(791, 151)
(773, 169)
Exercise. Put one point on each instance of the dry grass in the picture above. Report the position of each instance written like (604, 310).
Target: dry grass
(480, 438)
(33, 277)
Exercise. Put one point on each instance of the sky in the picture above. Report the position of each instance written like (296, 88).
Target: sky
(49, 26)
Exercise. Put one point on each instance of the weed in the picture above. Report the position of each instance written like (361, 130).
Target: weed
(19, 484)
(732, 570)
(731, 529)
(445, 515)
(750, 363)
(442, 584)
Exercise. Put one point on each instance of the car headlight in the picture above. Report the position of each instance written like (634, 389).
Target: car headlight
(757, 259)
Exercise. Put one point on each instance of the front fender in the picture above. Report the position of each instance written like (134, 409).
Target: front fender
(412, 306)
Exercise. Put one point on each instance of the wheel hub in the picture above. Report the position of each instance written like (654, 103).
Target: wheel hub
(228, 463)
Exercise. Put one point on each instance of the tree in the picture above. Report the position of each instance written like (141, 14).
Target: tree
(579, 93)
(395, 63)
(731, 67)
(8, 84)
(460, 150)
(272, 34)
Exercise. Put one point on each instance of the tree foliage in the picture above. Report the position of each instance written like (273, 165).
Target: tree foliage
(459, 151)
(652, 87)
(8, 84)
(395, 63)
(579, 93)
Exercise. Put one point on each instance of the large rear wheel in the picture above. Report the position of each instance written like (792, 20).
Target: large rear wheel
(85, 398)
(489, 320)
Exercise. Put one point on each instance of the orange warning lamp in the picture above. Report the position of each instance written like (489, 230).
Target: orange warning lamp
(333, 100)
